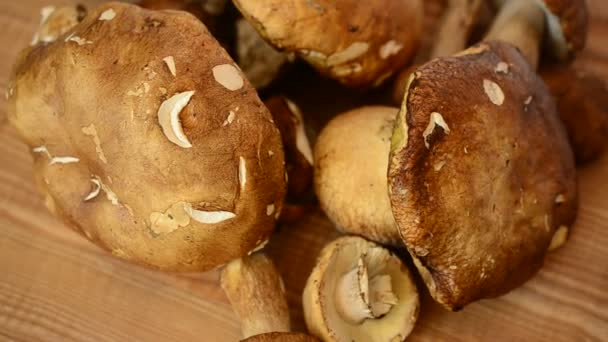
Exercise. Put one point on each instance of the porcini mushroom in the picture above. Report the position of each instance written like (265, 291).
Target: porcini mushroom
(480, 173)
(298, 153)
(582, 102)
(256, 292)
(135, 154)
(354, 43)
(453, 32)
(524, 23)
(351, 158)
(360, 291)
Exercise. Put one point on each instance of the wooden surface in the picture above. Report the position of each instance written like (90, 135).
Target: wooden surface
(55, 286)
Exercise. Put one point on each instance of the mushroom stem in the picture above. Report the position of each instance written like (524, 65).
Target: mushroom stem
(256, 292)
(522, 24)
(456, 25)
(359, 298)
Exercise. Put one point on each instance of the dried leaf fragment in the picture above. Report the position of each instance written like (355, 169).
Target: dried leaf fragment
(228, 76)
(168, 118)
(107, 15)
(170, 61)
(435, 120)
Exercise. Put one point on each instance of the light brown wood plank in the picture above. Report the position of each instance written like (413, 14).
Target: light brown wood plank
(56, 286)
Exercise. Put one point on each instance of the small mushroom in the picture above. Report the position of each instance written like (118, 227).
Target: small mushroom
(476, 205)
(360, 291)
(351, 158)
(524, 23)
(354, 44)
(582, 102)
(453, 33)
(256, 292)
(178, 190)
(298, 153)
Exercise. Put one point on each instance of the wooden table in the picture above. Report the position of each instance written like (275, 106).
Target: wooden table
(55, 286)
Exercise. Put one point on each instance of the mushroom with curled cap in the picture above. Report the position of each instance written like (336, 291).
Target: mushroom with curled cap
(125, 116)
(563, 25)
(351, 159)
(582, 102)
(256, 292)
(360, 291)
(357, 43)
(480, 173)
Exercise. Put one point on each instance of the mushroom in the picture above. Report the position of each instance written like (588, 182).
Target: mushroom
(522, 23)
(453, 32)
(256, 292)
(351, 158)
(298, 153)
(582, 102)
(360, 291)
(178, 189)
(358, 45)
(481, 174)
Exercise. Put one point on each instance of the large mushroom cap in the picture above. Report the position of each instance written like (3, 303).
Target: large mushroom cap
(360, 291)
(358, 43)
(480, 173)
(148, 139)
(351, 157)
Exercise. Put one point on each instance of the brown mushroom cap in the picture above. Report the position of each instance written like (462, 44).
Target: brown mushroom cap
(351, 157)
(480, 173)
(298, 153)
(582, 102)
(91, 106)
(281, 337)
(357, 43)
(568, 22)
(360, 291)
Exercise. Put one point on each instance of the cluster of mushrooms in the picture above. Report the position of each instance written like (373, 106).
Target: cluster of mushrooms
(150, 138)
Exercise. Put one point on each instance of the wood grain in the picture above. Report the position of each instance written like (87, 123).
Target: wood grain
(55, 286)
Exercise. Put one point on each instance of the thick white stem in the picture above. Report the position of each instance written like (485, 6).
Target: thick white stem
(456, 26)
(255, 289)
(521, 23)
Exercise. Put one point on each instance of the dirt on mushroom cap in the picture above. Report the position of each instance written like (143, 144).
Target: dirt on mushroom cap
(117, 82)
(352, 41)
(502, 167)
